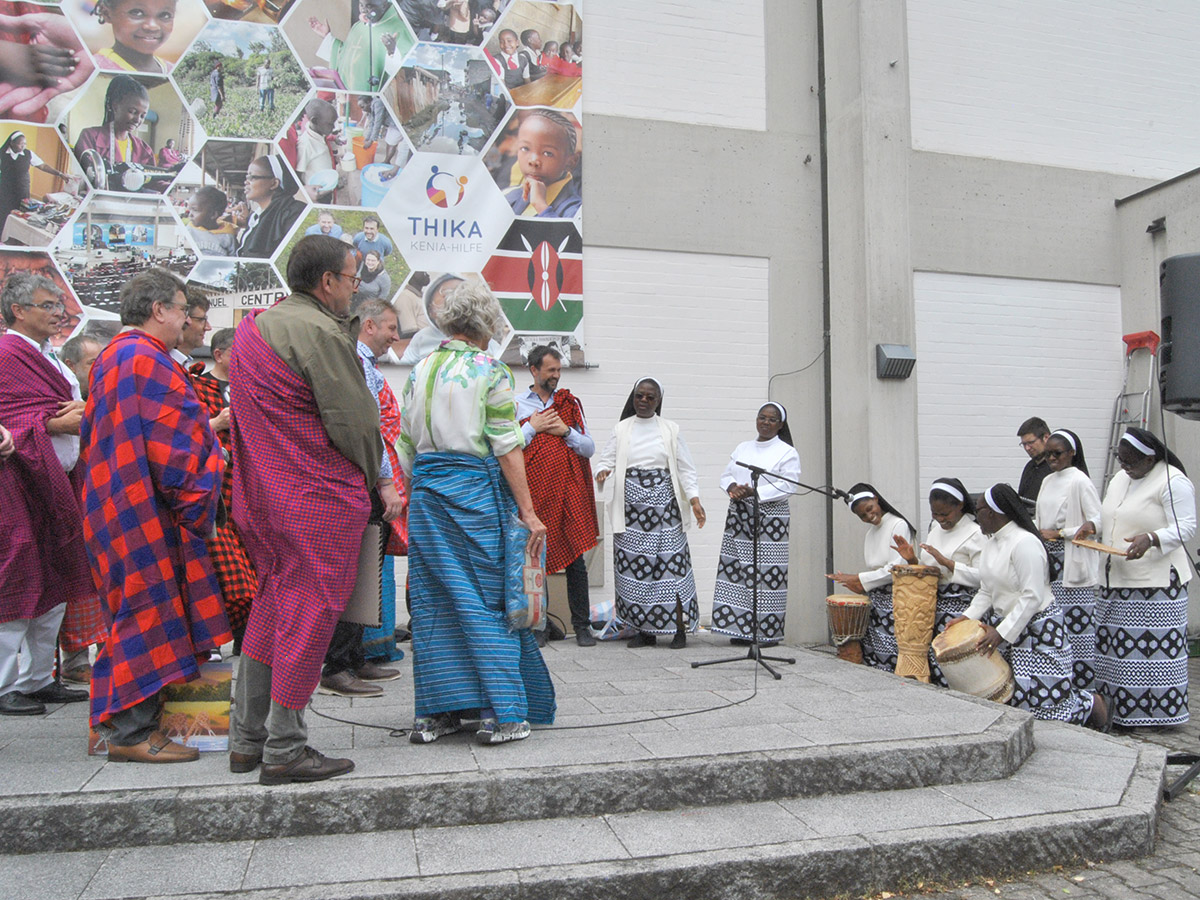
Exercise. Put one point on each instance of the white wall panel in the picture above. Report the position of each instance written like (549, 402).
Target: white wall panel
(1106, 85)
(991, 352)
(702, 62)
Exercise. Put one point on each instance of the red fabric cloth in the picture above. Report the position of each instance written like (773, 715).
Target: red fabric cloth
(560, 481)
(301, 508)
(389, 425)
(42, 559)
(84, 622)
(150, 498)
(235, 572)
(560, 66)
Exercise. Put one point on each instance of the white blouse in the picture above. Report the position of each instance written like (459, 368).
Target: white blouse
(647, 451)
(775, 456)
(1065, 501)
(1014, 576)
(879, 553)
(963, 545)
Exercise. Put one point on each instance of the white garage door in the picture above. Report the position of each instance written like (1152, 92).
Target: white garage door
(992, 352)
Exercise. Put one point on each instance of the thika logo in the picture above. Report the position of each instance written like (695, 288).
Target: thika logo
(445, 189)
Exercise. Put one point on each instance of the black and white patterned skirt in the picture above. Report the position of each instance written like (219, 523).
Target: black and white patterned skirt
(1141, 653)
(952, 602)
(879, 646)
(1042, 664)
(651, 559)
(1078, 605)
(733, 599)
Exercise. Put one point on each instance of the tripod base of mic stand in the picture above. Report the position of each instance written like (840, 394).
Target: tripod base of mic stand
(1176, 787)
(753, 652)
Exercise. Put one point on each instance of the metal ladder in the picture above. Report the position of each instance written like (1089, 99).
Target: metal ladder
(1131, 407)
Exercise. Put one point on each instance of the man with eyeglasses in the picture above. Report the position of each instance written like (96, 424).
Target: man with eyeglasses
(307, 455)
(150, 499)
(43, 566)
(1033, 434)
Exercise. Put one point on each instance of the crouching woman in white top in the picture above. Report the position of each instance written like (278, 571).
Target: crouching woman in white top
(880, 554)
(656, 493)
(1017, 609)
(954, 545)
(1068, 506)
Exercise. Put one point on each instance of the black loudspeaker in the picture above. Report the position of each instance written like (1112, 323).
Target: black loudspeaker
(1179, 358)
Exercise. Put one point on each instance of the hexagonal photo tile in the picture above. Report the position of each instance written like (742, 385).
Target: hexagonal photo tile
(419, 302)
(40, 264)
(234, 288)
(537, 275)
(346, 148)
(536, 161)
(349, 45)
(112, 238)
(130, 133)
(538, 50)
(136, 35)
(41, 42)
(210, 194)
(453, 21)
(447, 99)
(243, 79)
(41, 184)
(380, 265)
(445, 212)
(259, 12)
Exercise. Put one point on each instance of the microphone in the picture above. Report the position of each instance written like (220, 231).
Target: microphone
(752, 467)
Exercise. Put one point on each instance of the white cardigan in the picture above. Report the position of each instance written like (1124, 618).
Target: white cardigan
(1141, 506)
(878, 552)
(963, 545)
(615, 458)
(1014, 576)
(1065, 501)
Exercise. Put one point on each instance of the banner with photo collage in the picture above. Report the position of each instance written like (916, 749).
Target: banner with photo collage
(441, 139)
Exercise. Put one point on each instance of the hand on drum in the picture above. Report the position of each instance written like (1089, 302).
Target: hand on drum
(905, 549)
(847, 580)
(990, 641)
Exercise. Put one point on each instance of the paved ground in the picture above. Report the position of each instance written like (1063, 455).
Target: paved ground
(1172, 873)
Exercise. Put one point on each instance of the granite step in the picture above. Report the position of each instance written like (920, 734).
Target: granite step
(1079, 795)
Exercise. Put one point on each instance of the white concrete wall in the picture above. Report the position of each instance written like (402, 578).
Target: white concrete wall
(702, 62)
(1107, 85)
(991, 352)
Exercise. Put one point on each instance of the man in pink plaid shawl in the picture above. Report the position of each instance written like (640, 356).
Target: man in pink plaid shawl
(43, 565)
(307, 450)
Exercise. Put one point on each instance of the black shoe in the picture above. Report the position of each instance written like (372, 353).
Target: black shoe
(583, 637)
(56, 692)
(740, 642)
(14, 703)
(679, 641)
(641, 639)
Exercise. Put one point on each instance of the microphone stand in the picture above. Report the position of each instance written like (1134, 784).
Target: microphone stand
(754, 652)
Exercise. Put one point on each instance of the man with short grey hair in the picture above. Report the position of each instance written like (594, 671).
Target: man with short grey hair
(42, 561)
(79, 353)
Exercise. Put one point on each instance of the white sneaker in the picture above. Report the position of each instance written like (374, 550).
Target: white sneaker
(493, 732)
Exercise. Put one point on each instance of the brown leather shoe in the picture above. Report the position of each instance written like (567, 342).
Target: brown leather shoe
(308, 766)
(241, 763)
(78, 675)
(347, 684)
(158, 748)
(370, 671)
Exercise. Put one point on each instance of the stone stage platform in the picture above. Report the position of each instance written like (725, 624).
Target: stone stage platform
(656, 780)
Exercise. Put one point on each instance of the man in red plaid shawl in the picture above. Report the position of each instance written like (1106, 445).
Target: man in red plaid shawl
(42, 563)
(235, 572)
(307, 453)
(150, 499)
(557, 449)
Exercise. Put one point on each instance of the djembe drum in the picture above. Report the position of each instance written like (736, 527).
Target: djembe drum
(914, 604)
(966, 669)
(848, 615)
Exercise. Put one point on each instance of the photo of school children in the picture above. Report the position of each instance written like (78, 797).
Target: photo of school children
(136, 35)
(537, 49)
(447, 99)
(380, 267)
(40, 184)
(453, 21)
(121, 125)
(242, 79)
(536, 162)
(346, 45)
(346, 149)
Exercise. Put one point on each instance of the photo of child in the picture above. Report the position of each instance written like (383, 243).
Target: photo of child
(447, 99)
(536, 163)
(137, 35)
(220, 77)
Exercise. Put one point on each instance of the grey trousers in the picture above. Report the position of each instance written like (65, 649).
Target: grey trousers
(133, 725)
(259, 724)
